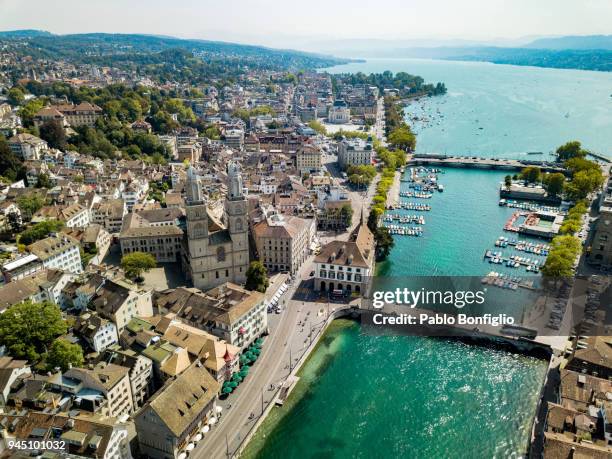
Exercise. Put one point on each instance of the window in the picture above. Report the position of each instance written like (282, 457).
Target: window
(221, 253)
(217, 274)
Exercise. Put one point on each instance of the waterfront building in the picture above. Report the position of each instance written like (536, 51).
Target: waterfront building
(355, 152)
(595, 358)
(216, 252)
(177, 413)
(347, 266)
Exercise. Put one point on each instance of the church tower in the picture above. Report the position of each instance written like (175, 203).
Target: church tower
(236, 212)
(197, 217)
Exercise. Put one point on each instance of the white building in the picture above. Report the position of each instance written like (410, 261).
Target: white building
(59, 252)
(339, 113)
(355, 152)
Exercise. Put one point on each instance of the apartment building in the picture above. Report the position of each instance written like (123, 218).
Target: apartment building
(283, 242)
(230, 312)
(177, 413)
(59, 252)
(308, 159)
(27, 146)
(109, 213)
(355, 152)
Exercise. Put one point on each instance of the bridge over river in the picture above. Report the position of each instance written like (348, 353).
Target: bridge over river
(481, 163)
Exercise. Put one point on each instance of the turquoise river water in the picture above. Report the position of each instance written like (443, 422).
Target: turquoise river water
(372, 396)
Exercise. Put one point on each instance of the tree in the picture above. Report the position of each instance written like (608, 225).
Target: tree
(384, 243)
(40, 231)
(531, 174)
(43, 181)
(29, 204)
(257, 277)
(11, 166)
(64, 355)
(15, 96)
(317, 127)
(507, 182)
(555, 183)
(583, 183)
(53, 132)
(135, 263)
(403, 138)
(570, 150)
(27, 329)
(346, 213)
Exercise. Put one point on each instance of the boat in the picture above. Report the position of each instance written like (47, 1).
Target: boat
(535, 153)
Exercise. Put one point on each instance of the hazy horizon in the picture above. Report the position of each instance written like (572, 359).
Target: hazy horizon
(320, 25)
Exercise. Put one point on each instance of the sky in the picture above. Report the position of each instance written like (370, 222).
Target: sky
(310, 24)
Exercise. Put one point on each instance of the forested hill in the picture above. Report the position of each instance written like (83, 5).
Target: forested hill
(80, 48)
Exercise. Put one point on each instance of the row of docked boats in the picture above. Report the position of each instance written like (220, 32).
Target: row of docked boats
(410, 206)
(398, 230)
(415, 194)
(530, 206)
(418, 219)
(514, 261)
(523, 246)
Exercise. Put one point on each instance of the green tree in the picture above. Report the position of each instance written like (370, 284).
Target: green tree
(257, 277)
(403, 138)
(53, 132)
(64, 355)
(555, 183)
(29, 109)
(11, 166)
(40, 231)
(346, 213)
(317, 127)
(570, 150)
(15, 96)
(384, 243)
(135, 263)
(507, 182)
(531, 174)
(29, 204)
(43, 181)
(27, 329)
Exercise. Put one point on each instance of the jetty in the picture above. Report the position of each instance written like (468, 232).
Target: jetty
(474, 162)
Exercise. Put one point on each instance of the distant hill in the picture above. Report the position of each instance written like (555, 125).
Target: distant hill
(82, 47)
(26, 33)
(573, 42)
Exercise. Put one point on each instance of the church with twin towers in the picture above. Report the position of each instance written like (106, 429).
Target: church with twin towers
(216, 251)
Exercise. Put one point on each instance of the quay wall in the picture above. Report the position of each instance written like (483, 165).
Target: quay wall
(481, 163)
